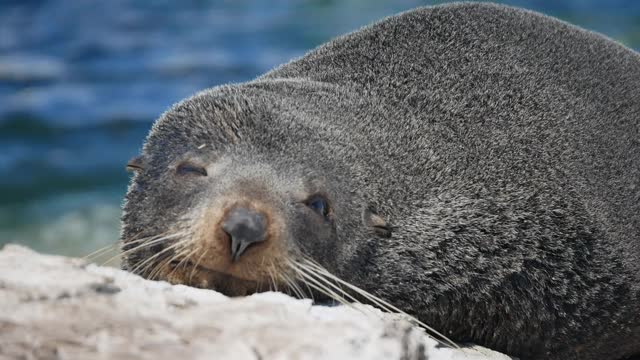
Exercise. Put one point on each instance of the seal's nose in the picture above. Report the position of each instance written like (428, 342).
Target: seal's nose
(245, 227)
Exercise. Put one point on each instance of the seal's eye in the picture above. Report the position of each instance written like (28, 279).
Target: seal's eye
(135, 164)
(187, 168)
(319, 205)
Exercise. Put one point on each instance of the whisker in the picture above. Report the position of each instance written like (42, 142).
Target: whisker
(204, 253)
(276, 278)
(332, 294)
(323, 290)
(288, 289)
(310, 292)
(100, 251)
(156, 267)
(259, 282)
(318, 277)
(272, 279)
(154, 240)
(109, 247)
(106, 248)
(138, 268)
(184, 255)
(180, 254)
(299, 291)
(126, 243)
(293, 286)
(148, 241)
(382, 303)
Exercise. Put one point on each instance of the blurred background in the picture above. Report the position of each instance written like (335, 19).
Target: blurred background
(81, 82)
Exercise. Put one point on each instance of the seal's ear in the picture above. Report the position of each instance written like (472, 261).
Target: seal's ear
(135, 164)
(371, 219)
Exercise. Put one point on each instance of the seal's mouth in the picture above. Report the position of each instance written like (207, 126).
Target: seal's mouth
(205, 270)
(203, 277)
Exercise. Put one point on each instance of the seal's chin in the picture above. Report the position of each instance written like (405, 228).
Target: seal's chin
(202, 277)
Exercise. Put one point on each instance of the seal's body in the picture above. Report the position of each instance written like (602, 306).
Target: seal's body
(477, 166)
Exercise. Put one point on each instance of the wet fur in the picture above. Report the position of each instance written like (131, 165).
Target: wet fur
(503, 147)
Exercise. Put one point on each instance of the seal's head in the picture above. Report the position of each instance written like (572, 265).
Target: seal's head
(224, 197)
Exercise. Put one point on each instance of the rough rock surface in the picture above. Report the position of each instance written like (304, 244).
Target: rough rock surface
(61, 308)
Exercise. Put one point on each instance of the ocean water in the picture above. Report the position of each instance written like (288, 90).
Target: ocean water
(81, 82)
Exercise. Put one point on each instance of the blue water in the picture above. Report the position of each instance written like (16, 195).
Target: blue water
(81, 82)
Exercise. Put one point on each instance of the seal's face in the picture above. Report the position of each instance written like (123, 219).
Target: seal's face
(213, 205)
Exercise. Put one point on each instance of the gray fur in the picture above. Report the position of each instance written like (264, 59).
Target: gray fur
(503, 147)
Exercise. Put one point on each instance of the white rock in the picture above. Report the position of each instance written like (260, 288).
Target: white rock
(56, 307)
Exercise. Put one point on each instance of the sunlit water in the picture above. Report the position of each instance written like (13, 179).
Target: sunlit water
(82, 81)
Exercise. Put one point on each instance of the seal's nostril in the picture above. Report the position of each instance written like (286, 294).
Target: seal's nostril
(245, 227)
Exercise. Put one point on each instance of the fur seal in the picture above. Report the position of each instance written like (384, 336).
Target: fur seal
(476, 165)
